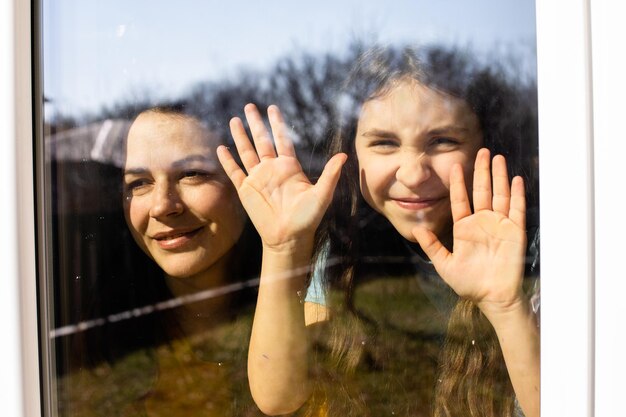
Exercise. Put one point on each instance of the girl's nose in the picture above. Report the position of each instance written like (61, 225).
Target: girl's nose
(166, 201)
(414, 169)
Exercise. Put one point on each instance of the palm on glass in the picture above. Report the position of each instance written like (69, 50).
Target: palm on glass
(487, 260)
(284, 206)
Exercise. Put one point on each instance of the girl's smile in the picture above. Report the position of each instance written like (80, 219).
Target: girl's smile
(416, 204)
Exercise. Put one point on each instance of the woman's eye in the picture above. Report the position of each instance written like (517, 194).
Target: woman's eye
(194, 176)
(137, 187)
(191, 174)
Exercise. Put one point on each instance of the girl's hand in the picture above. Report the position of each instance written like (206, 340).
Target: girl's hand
(280, 200)
(486, 264)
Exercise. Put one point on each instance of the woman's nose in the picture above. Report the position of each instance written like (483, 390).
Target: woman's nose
(166, 201)
(414, 169)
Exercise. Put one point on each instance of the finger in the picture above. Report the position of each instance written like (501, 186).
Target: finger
(482, 181)
(501, 190)
(260, 135)
(284, 145)
(232, 169)
(327, 182)
(459, 201)
(246, 151)
(432, 247)
(517, 212)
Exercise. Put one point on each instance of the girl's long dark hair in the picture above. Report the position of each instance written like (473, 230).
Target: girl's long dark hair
(473, 377)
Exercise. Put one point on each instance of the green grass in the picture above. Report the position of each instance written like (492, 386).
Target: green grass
(397, 343)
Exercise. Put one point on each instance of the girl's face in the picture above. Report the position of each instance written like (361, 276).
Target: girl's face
(407, 141)
(179, 205)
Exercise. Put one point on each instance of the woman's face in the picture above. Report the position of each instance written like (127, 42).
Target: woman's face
(179, 205)
(407, 141)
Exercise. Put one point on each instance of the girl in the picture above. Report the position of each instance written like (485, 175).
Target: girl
(417, 137)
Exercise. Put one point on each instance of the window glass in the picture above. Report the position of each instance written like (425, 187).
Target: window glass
(158, 233)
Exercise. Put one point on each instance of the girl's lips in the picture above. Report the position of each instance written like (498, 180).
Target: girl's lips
(175, 239)
(415, 204)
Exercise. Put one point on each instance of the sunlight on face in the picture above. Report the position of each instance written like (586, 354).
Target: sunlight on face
(407, 141)
(179, 205)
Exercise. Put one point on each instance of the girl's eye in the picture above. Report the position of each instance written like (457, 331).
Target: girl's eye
(445, 142)
(383, 143)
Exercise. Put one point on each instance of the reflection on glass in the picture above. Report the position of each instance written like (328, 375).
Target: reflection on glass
(185, 215)
(178, 345)
(155, 264)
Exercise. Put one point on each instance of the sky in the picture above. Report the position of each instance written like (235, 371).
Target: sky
(98, 52)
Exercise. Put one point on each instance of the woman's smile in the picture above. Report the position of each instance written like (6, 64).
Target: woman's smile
(176, 239)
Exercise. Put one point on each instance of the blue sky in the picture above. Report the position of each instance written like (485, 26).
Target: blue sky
(97, 52)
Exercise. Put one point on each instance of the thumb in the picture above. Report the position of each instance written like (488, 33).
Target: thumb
(432, 246)
(325, 186)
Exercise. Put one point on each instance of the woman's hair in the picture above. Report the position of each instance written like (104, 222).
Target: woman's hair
(473, 378)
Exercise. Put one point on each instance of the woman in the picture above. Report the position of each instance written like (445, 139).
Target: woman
(184, 214)
(415, 136)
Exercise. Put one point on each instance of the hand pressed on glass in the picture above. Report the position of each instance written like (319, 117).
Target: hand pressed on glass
(286, 209)
(280, 200)
(486, 264)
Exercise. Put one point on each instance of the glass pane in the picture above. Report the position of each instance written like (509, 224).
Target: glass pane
(157, 243)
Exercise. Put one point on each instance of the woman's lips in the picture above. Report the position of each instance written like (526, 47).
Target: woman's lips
(175, 239)
(415, 204)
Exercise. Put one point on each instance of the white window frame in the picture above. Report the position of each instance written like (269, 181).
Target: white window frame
(565, 173)
(19, 364)
(582, 283)
(609, 154)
